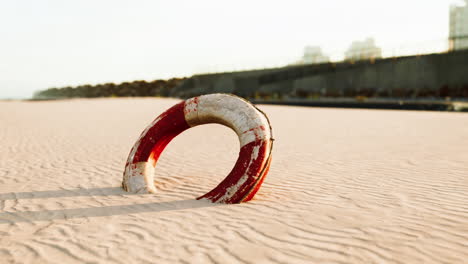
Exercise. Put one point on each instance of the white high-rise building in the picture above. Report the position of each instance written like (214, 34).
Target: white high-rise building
(363, 50)
(314, 55)
(458, 35)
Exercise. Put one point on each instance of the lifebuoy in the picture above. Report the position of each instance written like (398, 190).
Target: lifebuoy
(250, 124)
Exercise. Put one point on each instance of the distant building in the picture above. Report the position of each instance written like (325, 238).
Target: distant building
(363, 50)
(314, 55)
(458, 35)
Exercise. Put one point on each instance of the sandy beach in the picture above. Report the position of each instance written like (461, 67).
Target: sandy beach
(345, 186)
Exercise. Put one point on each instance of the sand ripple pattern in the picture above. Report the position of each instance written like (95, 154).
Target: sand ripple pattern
(345, 186)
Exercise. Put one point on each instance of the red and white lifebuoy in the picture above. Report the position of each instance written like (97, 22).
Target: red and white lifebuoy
(250, 124)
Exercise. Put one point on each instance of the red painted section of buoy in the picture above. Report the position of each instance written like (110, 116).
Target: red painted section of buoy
(246, 166)
(170, 124)
(255, 189)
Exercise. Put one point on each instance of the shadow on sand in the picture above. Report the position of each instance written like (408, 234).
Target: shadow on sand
(48, 215)
(63, 193)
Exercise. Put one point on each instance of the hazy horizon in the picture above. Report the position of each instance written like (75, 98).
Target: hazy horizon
(53, 44)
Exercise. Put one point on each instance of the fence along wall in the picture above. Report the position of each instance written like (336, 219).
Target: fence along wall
(426, 76)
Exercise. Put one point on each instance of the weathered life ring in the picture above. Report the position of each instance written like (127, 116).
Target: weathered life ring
(250, 124)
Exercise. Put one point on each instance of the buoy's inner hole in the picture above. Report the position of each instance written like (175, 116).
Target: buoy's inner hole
(196, 161)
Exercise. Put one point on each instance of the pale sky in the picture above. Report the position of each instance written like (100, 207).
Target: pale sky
(55, 43)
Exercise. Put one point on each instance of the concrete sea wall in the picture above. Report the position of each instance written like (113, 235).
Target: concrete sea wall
(427, 76)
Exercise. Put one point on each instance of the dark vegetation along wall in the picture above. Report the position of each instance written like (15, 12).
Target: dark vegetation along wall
(135, 88)
(429, 76)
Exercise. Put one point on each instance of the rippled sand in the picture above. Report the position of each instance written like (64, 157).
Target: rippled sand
(345, 186)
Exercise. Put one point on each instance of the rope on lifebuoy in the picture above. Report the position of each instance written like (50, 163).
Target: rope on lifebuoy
(250, 124)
